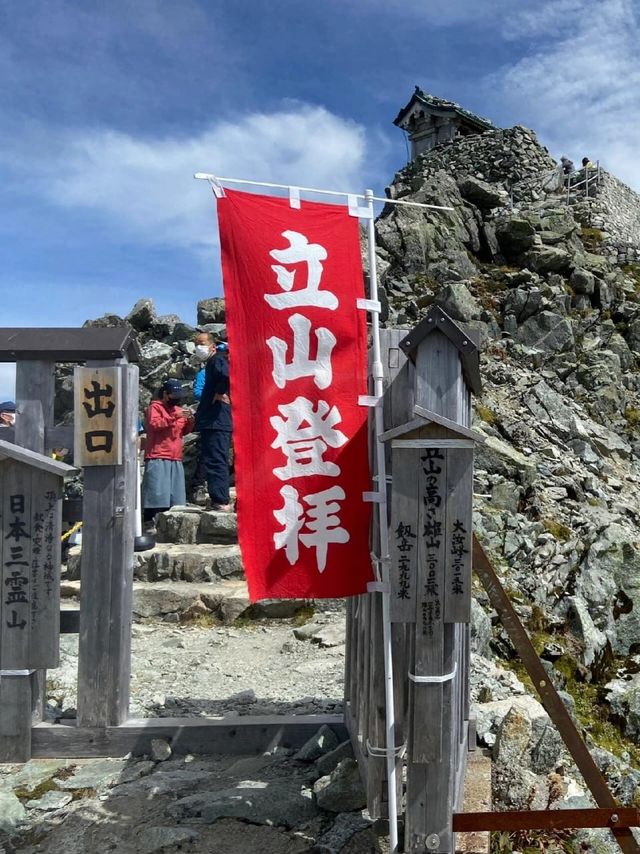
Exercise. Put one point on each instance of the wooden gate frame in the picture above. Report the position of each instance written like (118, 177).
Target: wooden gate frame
(103, 726)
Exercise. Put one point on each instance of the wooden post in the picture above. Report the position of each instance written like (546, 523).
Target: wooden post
(104, 664)
(26, 691)
(436, 748)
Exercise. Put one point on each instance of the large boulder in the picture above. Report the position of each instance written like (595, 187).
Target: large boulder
(211, 311)
(457, 301)
(548, 259)
(483, 195)
(547, 331)
(142, 315)
(515, 236)
(341, 790)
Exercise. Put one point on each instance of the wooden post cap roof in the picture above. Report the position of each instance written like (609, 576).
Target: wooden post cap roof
(9, 451)
(64, 344)
(465, 340)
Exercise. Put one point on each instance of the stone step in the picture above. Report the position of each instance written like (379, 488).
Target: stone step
(193, 524)
(179, 601)
(200, 562)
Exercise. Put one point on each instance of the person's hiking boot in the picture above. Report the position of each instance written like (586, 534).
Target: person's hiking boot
(221, 508)
(199, 495)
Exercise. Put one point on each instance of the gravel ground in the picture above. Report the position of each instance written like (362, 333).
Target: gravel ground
(253, 668)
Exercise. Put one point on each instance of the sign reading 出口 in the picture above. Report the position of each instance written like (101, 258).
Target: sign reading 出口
(97, 416)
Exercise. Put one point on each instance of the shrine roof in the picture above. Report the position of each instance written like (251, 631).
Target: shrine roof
(440, 104)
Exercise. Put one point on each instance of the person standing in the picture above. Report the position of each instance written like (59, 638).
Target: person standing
(198, 490)
(166, 422)
(214, 422)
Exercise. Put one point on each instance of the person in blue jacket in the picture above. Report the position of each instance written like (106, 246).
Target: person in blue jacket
(198, 491)
(213, 419)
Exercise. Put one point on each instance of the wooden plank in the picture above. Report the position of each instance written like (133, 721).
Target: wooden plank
(244, 735)
(11, 451)
(562, 819)
(46, 527)
(438, 376)
(15, 718)
(107, 575)
(434, 418)
(97, 416)
(426, 711)
(403, 536)
(67, 344)
(15, 577)
(459, 523)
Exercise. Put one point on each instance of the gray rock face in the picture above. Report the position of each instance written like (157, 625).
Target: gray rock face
(50, 801)
(341, 790)
(11, 811)
(193, 563)
(325, 764)
(282, 803)
(547, 331)
(142, 315)
(322, 742)
(548, 259)
(211, 311)
(153, 839)
(457, 301)
(582, 282)
(515, 236)
(481, 194)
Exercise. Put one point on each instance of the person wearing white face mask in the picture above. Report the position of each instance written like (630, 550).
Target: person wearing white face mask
(7, 413)
(214, 420)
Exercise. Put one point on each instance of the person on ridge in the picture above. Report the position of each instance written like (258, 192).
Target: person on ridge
(166, 422)
(213, 419)
(567, 165)
(587, 164)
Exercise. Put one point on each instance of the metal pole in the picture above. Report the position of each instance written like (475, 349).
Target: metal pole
(378, 375)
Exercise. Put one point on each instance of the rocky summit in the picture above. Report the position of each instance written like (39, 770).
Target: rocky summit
(550, 280)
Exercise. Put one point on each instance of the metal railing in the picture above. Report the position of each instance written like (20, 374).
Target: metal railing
(586, 177)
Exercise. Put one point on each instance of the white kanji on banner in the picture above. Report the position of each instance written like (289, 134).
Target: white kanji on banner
(301, 365)
(299, 251)
(304, 446)
(320, 519)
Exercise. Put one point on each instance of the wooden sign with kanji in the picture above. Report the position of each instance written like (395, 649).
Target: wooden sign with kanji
(30, 523)
(97, 417)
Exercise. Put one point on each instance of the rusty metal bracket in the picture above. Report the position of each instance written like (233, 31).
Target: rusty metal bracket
(511, 820)
(549, 697)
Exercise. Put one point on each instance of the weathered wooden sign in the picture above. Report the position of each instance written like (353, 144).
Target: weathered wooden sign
(97, 416)
(30, 523)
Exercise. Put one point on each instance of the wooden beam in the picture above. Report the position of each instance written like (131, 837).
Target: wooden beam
(240, 736)
(620, 817)
(104, 657)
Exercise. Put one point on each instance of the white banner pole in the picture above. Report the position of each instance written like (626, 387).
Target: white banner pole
(378, 376)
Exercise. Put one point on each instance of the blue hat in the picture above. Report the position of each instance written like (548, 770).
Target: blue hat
(173, 388)
(222, 346)
(7, 406)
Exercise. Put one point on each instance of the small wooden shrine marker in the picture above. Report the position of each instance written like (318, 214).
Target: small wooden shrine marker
(30, 556)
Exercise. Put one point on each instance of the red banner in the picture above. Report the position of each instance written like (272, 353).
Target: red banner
(298, 351)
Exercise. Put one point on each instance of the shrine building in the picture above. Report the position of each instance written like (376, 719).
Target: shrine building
(431, 121)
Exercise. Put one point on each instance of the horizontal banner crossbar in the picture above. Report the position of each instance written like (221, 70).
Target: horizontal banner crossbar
(434, 680)
(207, 176)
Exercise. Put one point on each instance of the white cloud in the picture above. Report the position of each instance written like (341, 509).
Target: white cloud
(452, 13)
(7, 381)
(145, 186)
(579, 83)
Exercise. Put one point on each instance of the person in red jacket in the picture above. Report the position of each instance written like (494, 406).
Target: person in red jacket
(166, 422)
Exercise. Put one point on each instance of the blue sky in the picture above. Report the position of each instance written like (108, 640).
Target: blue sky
(108, 109)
